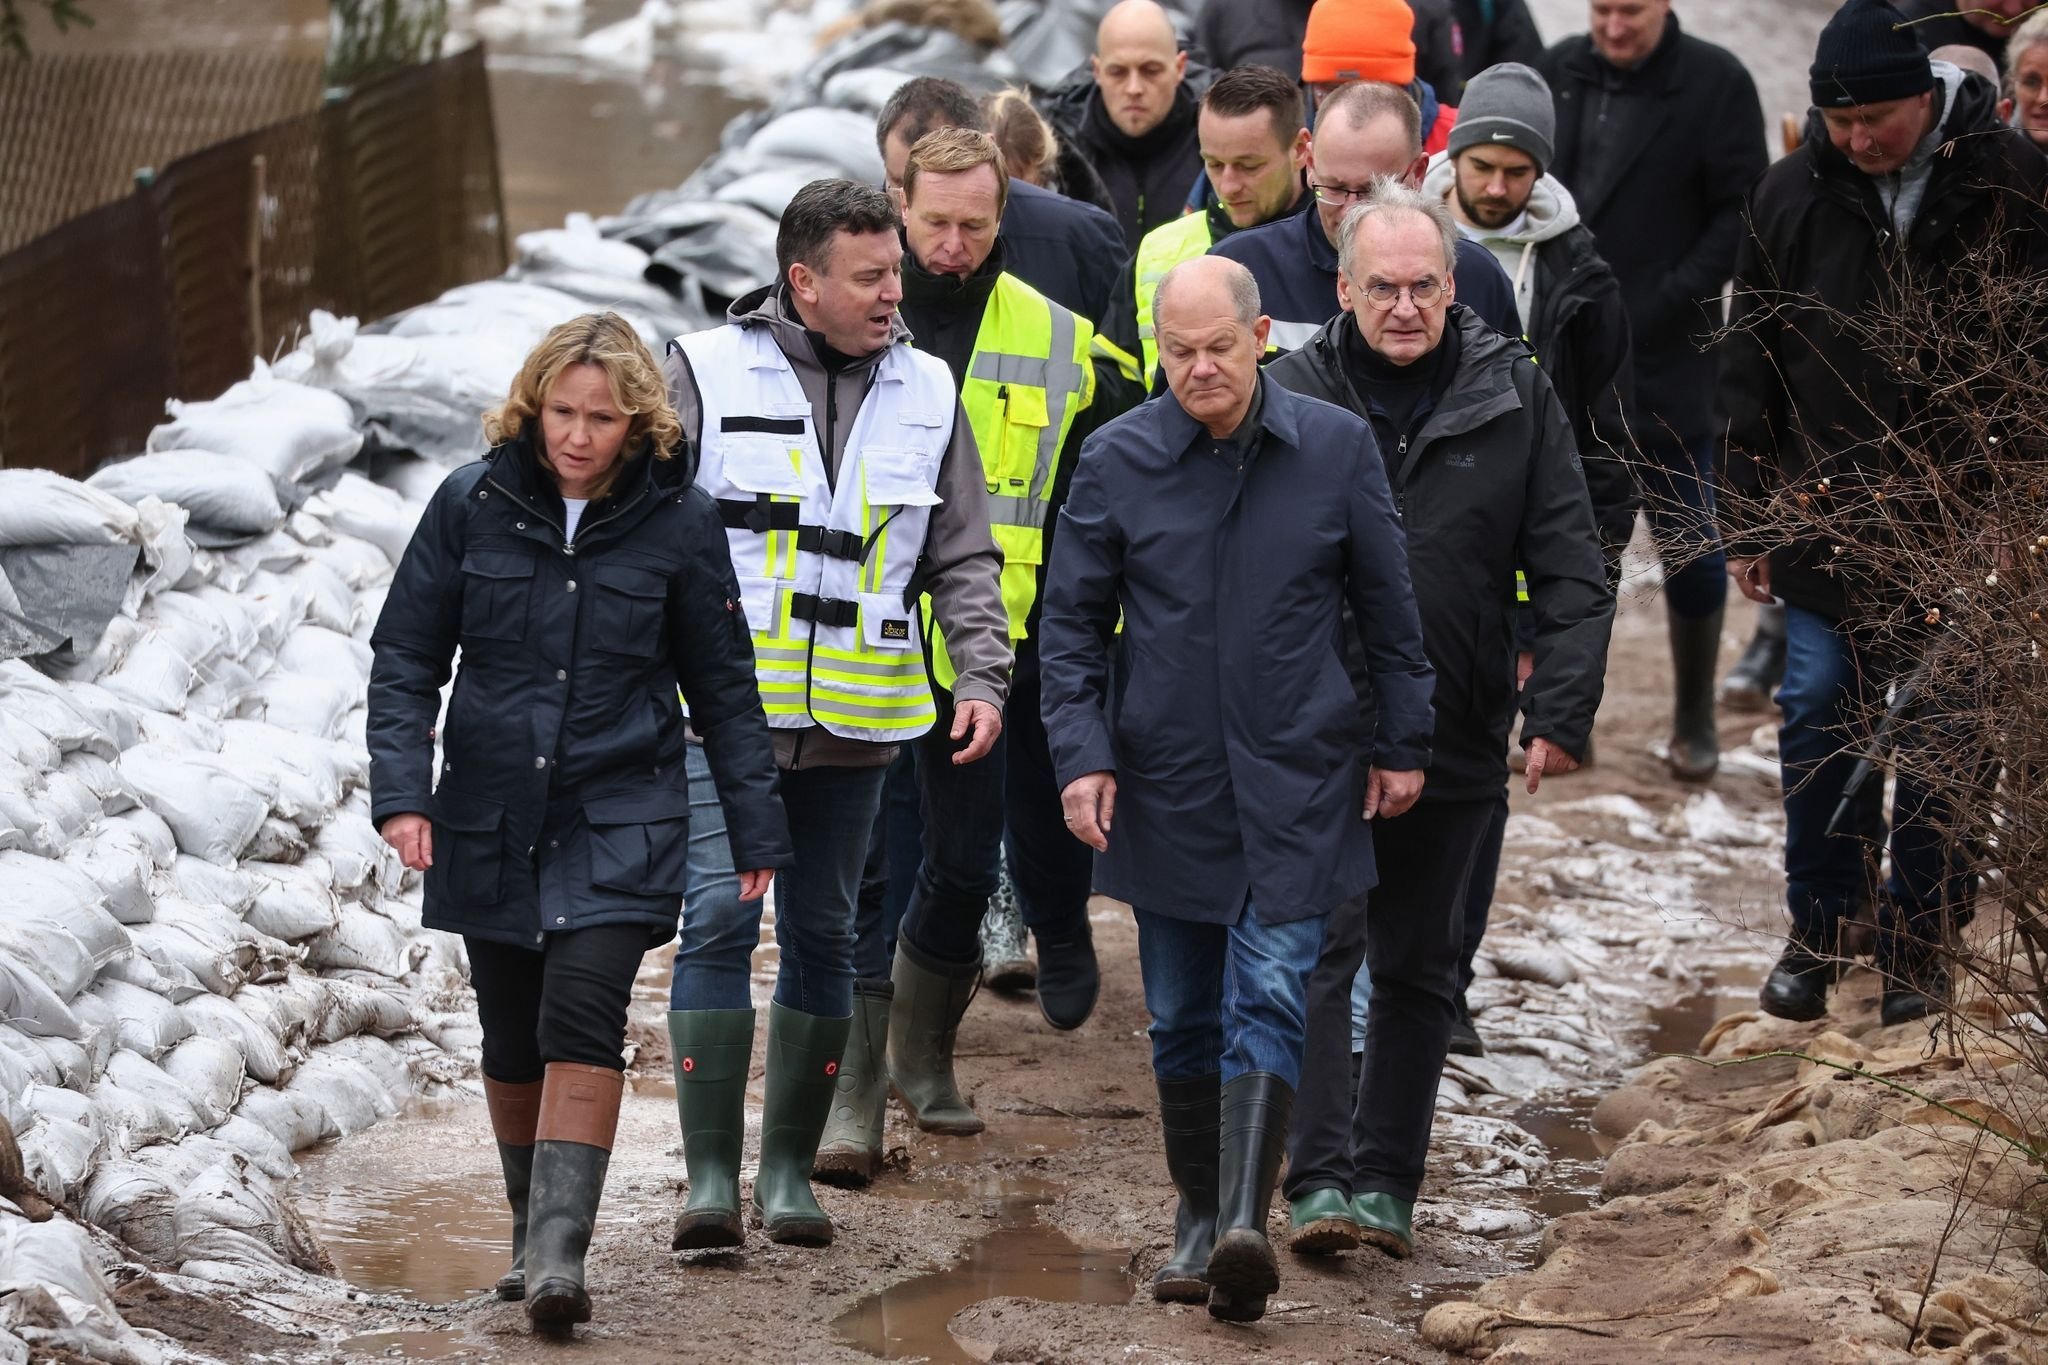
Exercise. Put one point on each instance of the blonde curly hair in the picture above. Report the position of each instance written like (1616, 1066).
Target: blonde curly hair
(609, 342)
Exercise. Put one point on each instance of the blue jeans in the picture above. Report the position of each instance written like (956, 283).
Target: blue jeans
(831, 817)
(1227, 997)
(1831, 690)
(894, 850)
(1678, 495)
(714, 954)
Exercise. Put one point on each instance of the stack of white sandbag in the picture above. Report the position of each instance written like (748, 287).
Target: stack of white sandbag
(208, 957)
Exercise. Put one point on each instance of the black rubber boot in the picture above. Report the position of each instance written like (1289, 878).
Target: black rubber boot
(931, 999)
(1069, 978)
(579, 1116)
(1917, 978)
(515, 1113)
(1190, 1115)
(804, 1053)
(1797, 987)
(1465, 1039)
(1754, 679)
(711, 1051)
(1695, 752)
(1243, 1270)
(850, 1153)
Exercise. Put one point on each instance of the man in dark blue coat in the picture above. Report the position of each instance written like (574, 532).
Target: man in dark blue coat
(1364, 131)
(1229, 521)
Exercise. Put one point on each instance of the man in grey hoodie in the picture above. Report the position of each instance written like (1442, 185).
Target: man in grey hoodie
(1495, 179)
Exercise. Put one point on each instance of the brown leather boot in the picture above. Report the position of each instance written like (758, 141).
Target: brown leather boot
(515, 1113)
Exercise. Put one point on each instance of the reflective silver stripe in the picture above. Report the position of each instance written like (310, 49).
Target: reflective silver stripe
(1063, 380)
(781, 653)
(919, 715)
(1006, 510)
(908, 671)
(1292, 336)
(1001, 367)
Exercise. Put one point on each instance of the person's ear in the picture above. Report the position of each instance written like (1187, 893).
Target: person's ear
(803, 282)
(1180, 65)
(1299, 152)
(1417, 168)
(1261, 329)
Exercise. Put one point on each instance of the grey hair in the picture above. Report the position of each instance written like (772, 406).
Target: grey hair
(1391, 196)
(1244, 290)
(2032, 32)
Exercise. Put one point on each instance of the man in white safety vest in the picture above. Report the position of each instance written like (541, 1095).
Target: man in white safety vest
(851, 490)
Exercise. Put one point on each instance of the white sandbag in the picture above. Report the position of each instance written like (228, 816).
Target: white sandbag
(22, 826)
(302, 775)
(130, 1119)
(151, 674)
(200, 630)
(291, 432)
(262, 1050)
(295, 1119)
(276, 605)
(15, 1080)
(203, 883)
(333, 602)
(453, 1031)
(290, 1009)
(217, 924)
(210, 1069)
(361, 860)
(54, 1297)
(29, 1004)
(357, 507)
(59, 1157)
(221, 964)
(68, 1063)
(56, 710)
(194, 734)
(223, 687)
(258, 1144)
(305, 704)
(277, 841)
(231, 1216)
(149, 1024)
(367, 942)
(381, 1060)
(41, 508)
(33, 888)
(236, 620)
(135, 1202)
(348, 1097)
(40, 947)
(323, 653)
(149, 832)
(513, 311)
(24, 745)
(294, 902)
(577, 245)
(115, 643)
(23, 1063)
(138, 1075)
(355, 561)
(212, 812)
(169, 980)
(219, 492)
(108, 714)
(115, 858)
(98, 775)
(357, 1008)
(99, 1032)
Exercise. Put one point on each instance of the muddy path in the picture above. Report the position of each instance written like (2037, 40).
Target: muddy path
(1033, 1242)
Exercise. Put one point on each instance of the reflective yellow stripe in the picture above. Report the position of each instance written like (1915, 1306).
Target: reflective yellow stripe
(1163, 248)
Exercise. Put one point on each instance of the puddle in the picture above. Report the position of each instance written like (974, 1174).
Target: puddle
(1678, 1027)
(1576, 1152)
(410, 1346)
(1021, 1258)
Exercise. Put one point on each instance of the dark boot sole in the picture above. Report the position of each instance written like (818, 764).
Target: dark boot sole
(1386, 1242)
(1243, 1268)
(796, 1232)
(1323, 1237)
(1798, 1012)
(1011, 978)
(511, 1288)
(1179, 1287)
(708, 1230)
(1227, 1307)
(1068, 1021)
(847, 1168)
(557, 1306)
(1466, 1046)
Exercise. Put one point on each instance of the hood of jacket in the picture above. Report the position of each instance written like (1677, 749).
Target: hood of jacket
(1550, 213)
(770, 307)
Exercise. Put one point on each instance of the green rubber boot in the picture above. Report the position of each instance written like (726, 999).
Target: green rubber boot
(1320, 1223)
(804, 1053)
(850, 1155)
(931, 998)
(1385, 1222)
(711, 1050)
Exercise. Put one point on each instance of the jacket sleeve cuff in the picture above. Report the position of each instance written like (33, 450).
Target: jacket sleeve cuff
(967, 690)
(1091, 754)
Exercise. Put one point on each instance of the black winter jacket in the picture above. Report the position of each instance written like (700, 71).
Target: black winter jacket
(1489, 483)
(562, 800)
(1491, 32)
(1580, 333)
(1148, 178)
(1806, 399)
(1234, 33)
(1665, 204)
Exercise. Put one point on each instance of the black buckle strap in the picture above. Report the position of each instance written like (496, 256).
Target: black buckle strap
(825, 611)
(762, 516)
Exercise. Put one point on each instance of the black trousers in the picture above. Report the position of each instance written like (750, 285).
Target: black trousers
(1375, 1139)
(565, 1002)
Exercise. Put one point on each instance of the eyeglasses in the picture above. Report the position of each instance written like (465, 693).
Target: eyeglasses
(1338, 194)
(1422, 293)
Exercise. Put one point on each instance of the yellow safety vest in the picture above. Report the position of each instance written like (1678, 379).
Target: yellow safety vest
(1029, 377)
(1163, 248)
(824, 567)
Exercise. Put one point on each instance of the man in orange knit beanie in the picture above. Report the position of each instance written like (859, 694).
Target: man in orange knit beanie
(1371, 40)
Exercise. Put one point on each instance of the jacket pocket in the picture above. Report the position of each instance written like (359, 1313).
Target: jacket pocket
(763, 464)
(469, 849)
(626, 610)
(900, 477)
(497, 591)
(640, 842)
(885, 623)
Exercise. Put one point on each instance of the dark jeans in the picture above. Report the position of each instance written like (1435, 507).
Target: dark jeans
(894, 851)
(563, 1002)
(960, 806)
(1831, 690)
(1678, 495)
(831, 816)
(712, 962)
(1376, 1139)
(1052, 870)
(1226, 997)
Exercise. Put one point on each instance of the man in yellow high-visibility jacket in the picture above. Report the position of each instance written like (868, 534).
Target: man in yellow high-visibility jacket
(1254, 148)
(1034, 381)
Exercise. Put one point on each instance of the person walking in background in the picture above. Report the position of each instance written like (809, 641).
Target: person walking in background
(2026, 80)
(1907, 173)
(1067, 250)
(1983, 24)
(1495, 181)
(1372, 40)
(1222, 779)
(555, 834)
(1659, 137)
(1254, 149)
(1486, 475)
(1134, 117)
(840, 465)
(1491, 32)
(1364, 131)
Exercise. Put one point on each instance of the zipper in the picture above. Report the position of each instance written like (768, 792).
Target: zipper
(568, 546)
(1400, 488)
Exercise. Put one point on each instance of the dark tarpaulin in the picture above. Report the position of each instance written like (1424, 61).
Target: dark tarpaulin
(68, 593)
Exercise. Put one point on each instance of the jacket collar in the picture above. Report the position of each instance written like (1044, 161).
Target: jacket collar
(769, 308)
(1277, 417)
(1482, 388)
